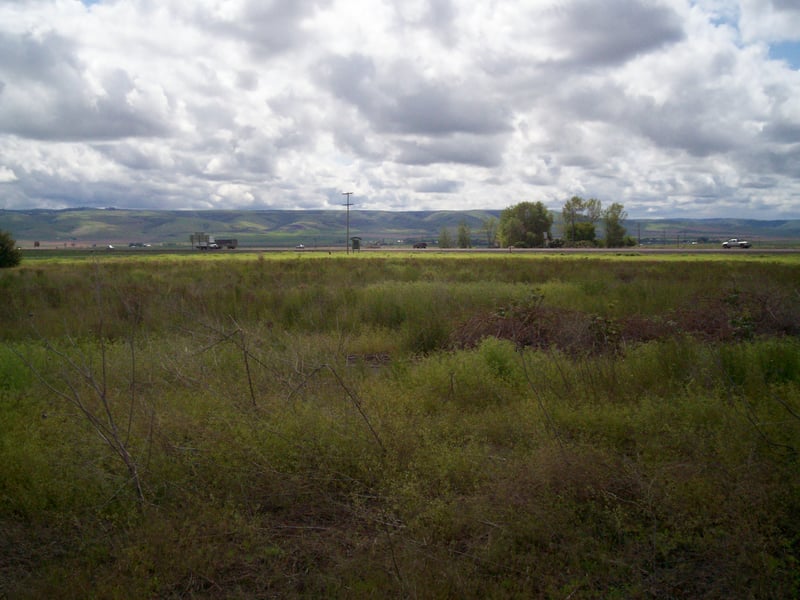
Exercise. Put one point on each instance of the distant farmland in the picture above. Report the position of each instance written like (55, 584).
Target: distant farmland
(82, 227)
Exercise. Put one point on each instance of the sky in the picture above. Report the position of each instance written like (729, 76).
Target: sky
(673, 108)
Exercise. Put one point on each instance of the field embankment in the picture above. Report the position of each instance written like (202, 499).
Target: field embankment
(404, 426)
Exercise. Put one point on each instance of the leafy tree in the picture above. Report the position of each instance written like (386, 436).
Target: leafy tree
(526, 224)
(10, 256)
(571, 213)
(613, 218)
(511, 230)
(464, 235)
(585, 232)
(489, 228)
(445, 239)
(580, 217)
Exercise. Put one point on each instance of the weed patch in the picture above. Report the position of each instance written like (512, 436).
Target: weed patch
(404, 426)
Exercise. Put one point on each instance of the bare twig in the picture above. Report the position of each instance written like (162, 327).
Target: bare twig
(102, 420)
(351, 394)
(550, 423)
(246, 356)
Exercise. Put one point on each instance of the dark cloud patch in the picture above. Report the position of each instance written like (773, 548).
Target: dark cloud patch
(350, 78)
(789, 6)
(247, 80)
(782, 132)
(689, 120)
(55, 192)
(399, 100)
(782, 161)
(613, 31)
(437, 109)
(212, 114)
(696, 135)
(760, 183)
(435, 16)
(354, 137)
(584, 161)
(462, 149)
(269, 27)
(439, 186)
(441, 14)
(131, 156)
(44, 59)
(47, 96)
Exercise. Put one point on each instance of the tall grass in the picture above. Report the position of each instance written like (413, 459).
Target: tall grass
(310, 427)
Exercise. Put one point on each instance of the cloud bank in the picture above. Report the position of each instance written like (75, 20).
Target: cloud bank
(671, 107)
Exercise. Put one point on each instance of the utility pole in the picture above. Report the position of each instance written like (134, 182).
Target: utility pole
(348, 205)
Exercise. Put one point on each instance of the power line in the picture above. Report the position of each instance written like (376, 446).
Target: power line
(348, 205)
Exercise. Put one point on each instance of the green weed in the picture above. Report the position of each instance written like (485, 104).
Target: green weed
(401, 425)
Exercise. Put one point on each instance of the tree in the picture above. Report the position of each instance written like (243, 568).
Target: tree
(445, 239)
(570, 213)
(464, 235)
(613, 218)
(10, 256)
(580, 217)
(584, 232)
(489, 228)
(526, 224)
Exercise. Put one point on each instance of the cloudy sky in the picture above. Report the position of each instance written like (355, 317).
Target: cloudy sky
(675, 108)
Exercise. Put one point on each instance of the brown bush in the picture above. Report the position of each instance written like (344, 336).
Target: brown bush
(735, 316)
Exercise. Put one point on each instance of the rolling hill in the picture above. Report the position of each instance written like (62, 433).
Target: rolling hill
(275, 228)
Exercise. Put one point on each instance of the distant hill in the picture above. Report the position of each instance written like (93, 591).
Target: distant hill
(655, 230)
(328, 227)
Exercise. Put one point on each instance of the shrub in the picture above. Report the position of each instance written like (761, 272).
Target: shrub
(10, 256)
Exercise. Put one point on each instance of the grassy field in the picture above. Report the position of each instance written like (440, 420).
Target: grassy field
(400, 425)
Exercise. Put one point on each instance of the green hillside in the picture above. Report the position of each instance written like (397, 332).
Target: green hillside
(267, 228)
(254, 228)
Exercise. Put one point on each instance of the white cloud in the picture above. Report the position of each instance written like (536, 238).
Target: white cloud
(669, 106)
(7, 175)
(770, 20)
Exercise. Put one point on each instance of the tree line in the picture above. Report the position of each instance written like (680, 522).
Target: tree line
(530, 225)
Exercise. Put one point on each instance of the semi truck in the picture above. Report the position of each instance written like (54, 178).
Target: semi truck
(203, 241)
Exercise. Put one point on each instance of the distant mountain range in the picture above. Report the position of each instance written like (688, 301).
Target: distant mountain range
(275, 228)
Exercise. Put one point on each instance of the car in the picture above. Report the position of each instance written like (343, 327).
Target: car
(300, 247)
(736, 243)
(421, 245)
